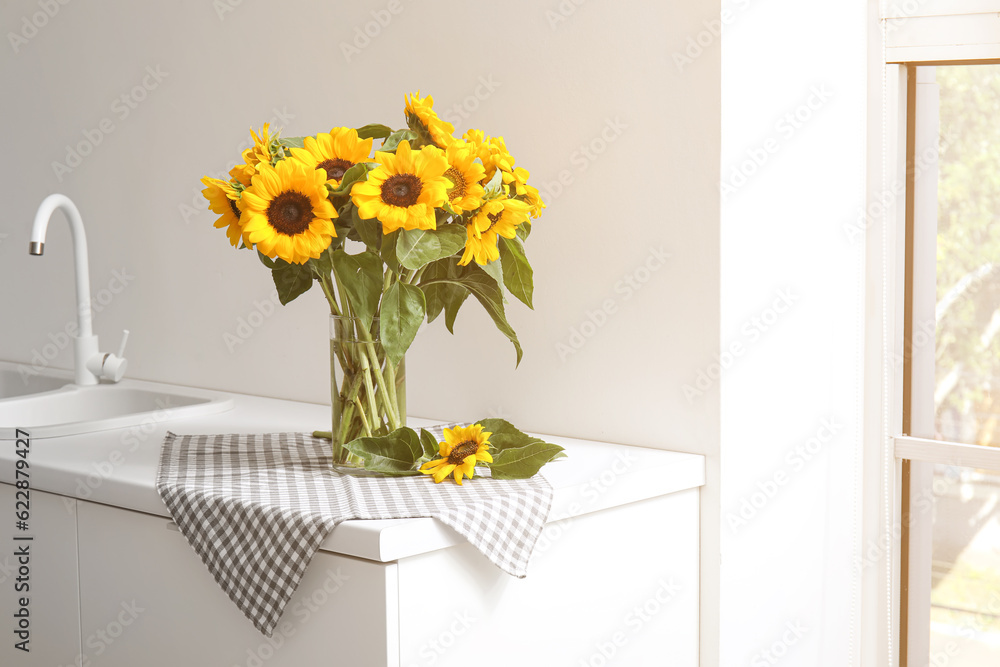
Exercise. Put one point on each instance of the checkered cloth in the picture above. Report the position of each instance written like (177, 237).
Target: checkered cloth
(257, 507)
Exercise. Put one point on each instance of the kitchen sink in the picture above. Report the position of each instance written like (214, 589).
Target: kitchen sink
(71, 409)
(14, 382)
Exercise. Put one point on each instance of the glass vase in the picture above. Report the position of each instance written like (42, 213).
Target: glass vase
(367, 390)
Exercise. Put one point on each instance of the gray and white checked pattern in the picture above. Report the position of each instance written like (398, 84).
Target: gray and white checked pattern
(256, 507)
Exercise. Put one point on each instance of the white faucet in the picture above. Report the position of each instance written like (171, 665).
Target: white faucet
(90, 365)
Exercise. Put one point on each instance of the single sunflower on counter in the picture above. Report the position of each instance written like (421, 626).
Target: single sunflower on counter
(461, 449)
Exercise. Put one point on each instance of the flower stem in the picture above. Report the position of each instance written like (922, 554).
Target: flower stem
(324, 282)
(366, 373)
(364, 420)
(385, 386)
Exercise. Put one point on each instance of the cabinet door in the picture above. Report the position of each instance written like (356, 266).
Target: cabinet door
(616, 587)
(147, 599)
(45, 577)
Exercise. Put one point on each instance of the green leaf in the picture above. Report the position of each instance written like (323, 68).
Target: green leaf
(291, 142)
(392, 141)
(496, 181)
(291, 280)
(360, 276)
(265, 260)
(322, 266)
(417, 247)
(393, 454)
(429, 444)
(369, 231)
(447, 298)
(374, 130)
(494, 271)
(498, 426)
(444, 296)
(523, 462)
(358, 172)
(517, 273)
(388, 250)
(451, 310)
(523, 231)
(515, 449)
(403, 310)
(487, 292)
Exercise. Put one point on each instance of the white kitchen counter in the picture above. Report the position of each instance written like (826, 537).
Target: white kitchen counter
(118, 468)
(113, 584)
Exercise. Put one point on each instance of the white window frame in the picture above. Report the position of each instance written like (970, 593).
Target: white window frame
(910, 33)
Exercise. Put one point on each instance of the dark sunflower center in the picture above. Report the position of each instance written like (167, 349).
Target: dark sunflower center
(290, 213)
(335, 169)
(457, 190)
(401, 190)
(460, 451)
(494, 218)
(234, 207)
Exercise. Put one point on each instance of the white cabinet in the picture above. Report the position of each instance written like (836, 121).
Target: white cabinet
(45, 576)
(618, 586)
(147, 599)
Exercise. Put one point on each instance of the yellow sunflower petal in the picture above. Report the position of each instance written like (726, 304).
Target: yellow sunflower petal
(441, 473)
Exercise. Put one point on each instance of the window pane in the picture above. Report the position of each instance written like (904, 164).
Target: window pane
(967, 366)
(965, 597)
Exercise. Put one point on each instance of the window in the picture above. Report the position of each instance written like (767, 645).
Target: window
(950, 595)
(933, 448)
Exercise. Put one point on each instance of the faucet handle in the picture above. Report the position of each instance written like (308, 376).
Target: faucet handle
(121, 348)
(113, 368)
(107, 366)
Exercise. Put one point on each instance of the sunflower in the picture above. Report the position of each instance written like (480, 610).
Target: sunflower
(404, 190)
(263, 147)
(242, 173)
(491, 151)
(286, 212)
(466, 175)
(421, 118)
(534, 200)
(334, 153)
(462, 447)
(500, 156)
(518, 177)
(497, 216)
(223, 199)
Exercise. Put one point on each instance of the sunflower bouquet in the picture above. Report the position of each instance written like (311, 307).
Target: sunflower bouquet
(392, 239)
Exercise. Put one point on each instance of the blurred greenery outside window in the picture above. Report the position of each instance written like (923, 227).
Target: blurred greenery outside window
(965, 563)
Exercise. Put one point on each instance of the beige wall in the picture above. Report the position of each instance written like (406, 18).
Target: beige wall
(558, 78)
(591, 98)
